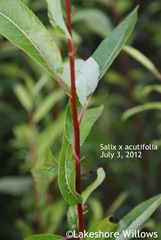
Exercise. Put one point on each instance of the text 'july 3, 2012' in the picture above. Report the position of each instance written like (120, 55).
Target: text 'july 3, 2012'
(125, 151)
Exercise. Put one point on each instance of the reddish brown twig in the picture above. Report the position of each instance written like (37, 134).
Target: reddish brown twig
(73, 101)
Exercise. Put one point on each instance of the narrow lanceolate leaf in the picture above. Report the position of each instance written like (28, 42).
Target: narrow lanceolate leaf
(23, 96)
(149, 88)
(89, 118)
(44, 237)
(105, 226)
(15, 185)
(42, 179)
(137, 217)
(47, 104)
(140, 57)
(50, 134)
(66, 175)
(20, 26)
(50, 158)
(48, 168)
(113, 43)
(56, 16)
(92, 19)
(148, 106)
(51, 165)
(94, 185)
(117, 202)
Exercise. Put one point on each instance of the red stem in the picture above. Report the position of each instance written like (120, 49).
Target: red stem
(73, 101)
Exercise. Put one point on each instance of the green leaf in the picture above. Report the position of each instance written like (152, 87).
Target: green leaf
(22, 132)
(94, 185)
(15, 185)
(24, 227)
(72, 217)
(50, 134)
(47, 104)
(50, 158)
(87, 80)
(42, 179)
(7, 109)
(23, 96)
(10, 70)
(90, 18)
(105, 226)
(148, 106)
(140, 57)
(48, 168)
(89, 118)
(113, 43)
(117, 203)
(40, 83)
(96, 211)
(86, 74)
(44, 237)
(56, 16)
(66, 175)
(137, 217)
(69, 130)
(66, 70)
(51, 165)
(52, 216)
(150, 88)
(20, 26)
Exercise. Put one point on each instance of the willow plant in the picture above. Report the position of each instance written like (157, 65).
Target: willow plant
(20, 26)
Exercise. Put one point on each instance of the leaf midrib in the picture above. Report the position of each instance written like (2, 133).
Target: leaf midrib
(153, 206)
(31, 41)
(109, 59)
